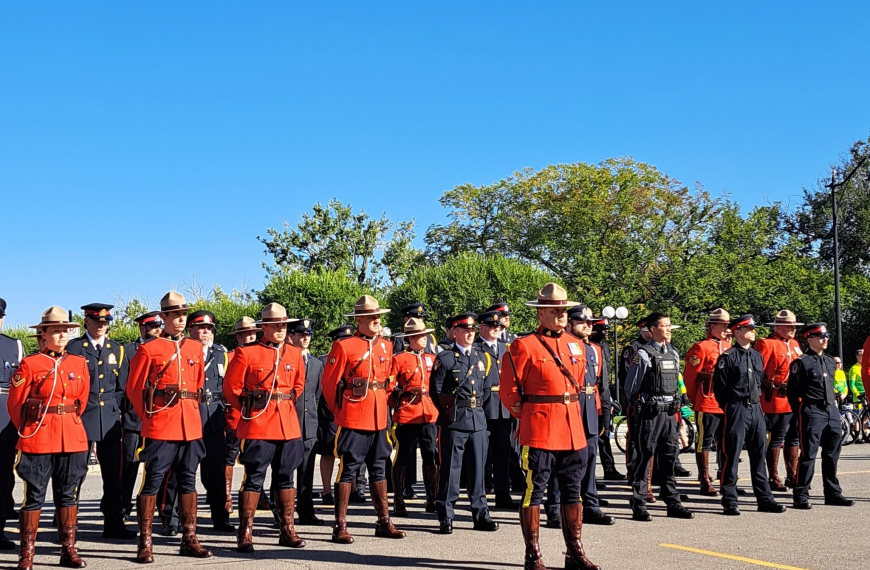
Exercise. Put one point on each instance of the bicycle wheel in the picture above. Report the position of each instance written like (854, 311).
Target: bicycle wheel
(864, 423)
(687, 435)
(846, 435)
(620, 434)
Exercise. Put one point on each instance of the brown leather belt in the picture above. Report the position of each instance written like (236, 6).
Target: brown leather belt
(278, 396)
(376, 385)
(417, 390)
(565, 398)
(60, 409)
(181, 394)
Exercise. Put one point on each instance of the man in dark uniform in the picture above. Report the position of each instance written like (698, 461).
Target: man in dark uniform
(326, 427)
(461, 384)
(499, 422)
(600, 332)
(811, 395)
(625, 359)
(150, 326)
(737, 385)
(102, 415)
(11, 354)
(652, 387)
(447, 342)
(505, 320)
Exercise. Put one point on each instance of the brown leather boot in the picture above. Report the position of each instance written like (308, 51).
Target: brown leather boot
(286, 508)
(66, 532)
(28, 523)
(792, 459)
(145, 516)
(572, 530)
(247, 510)
(702, 458)
(650, 498)
(384, 527)
(229, 476)
(190, 545)
(430, 482)
(339, 531)
(530, 522)
(773, 454)
(398, 491)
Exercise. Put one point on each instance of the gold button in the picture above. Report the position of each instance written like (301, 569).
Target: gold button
(102, 403)
(102, 390)
(99, 362)
(472, 381)
(101, 375)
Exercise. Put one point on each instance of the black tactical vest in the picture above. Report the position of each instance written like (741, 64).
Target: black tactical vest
(664, 377)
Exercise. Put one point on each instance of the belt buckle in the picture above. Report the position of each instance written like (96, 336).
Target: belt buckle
(472, 403)
(60, 409)
(589, 390)
(566, 398)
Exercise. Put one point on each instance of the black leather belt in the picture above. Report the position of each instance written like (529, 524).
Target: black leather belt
(211, 397)
(565, 398)
(469, 403)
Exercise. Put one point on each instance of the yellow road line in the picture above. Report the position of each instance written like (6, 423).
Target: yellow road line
(732, 557)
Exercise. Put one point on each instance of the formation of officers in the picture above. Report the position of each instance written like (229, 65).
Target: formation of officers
(481, 406)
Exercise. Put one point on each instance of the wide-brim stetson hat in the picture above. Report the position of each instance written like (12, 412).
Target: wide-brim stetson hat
(414, 327)
(785, 318)
(55, 317)
(552, 295)
(272, 314)
(245, 325)
(719, 316)
(366, 306)
(173, 301)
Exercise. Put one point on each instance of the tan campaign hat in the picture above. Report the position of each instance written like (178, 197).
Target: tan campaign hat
(55, 316)
(414, 327)
(367, 306)
(719, 316)
(785, 318)
(173, 301)
(274, 313)
(245, 325)
(552, 295)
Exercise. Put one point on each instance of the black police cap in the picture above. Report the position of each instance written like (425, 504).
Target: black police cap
(98, 311)
(465, 320)
(414, 310)
(201, 317)
(814, 329)
(500, 306)
(150, 317)
(578, 313)
(302, 326)
(343, 331)
(2, 307)
(747, 320)
(490, 318)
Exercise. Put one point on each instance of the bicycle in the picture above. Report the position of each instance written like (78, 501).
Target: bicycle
(850, 421)
(687, 433)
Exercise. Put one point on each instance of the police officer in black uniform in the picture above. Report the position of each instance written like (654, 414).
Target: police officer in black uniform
(600, 332)
(150, 326)
(326, 425)
(811, 395)
(461, 384)
(102, 415)
(504, 309)
(652, 387)
(11, 353)
(625, 358)
(736, 385)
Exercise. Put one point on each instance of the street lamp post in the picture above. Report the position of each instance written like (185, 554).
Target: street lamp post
(617, 315)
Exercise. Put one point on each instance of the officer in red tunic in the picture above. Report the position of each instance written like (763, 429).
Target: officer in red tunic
(698, 378)
(47, 396)
(356, 381)
(263, 382)
(778, 352)
(165, 387)
(414, 413)
(540, 385)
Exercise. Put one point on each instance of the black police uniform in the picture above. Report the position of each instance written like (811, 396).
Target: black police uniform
(307, 409)
(462, 386)
(811, 393)
(131, 426)
(737, 385)
(107, 366)
(11, 353)
(624, 364)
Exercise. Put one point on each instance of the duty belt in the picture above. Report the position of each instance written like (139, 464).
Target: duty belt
(60, 409)
(470, 403)
(376, 385)
(417, 390)
(211, 397)
(565, 398)
(278, 396)
(181, 394)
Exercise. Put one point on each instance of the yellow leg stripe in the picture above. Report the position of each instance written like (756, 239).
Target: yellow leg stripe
(527, 496)
(139, 450)
(335, 453)
(335, 448)
(242, 446)
(732, 557)
(15, 467)
(394, 444)
(699, 447)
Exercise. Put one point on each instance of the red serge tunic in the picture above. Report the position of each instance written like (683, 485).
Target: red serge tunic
(698, 374)
(412, 371)
(778, 354)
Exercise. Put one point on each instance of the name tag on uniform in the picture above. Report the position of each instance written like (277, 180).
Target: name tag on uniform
(669, 365)
(112, 359)
(221, 369)
(574, 348)
(480, 365)
(428, 361)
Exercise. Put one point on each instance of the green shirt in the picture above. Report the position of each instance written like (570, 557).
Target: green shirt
(856, 385)
(840, 382)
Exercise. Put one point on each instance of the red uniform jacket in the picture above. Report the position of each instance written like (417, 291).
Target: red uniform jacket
(778, 354)
(181, 421)
(698, 374)
(411, 372)
(277, 370)
(353, 358)
(36, 375)
(233, 415)
(556, 426)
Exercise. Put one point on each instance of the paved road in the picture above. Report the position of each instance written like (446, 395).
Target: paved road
(825, 537)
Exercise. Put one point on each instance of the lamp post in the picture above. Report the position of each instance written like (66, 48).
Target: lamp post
(617, 315)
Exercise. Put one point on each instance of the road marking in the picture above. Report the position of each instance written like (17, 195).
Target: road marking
(732, 557)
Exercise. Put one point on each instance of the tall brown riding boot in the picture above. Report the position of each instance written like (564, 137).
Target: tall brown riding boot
(384, 527)
(247, 510)
(702, 458)
(773, 454)
(229, 476)
(190, 545)
(145, 516)
(286, 508)
(572, 530)
(792, 459)
(650, 498)
(28, 523)
(530, 522)
(339, 531)
(398, 491)
(66, 532)
(430, 481)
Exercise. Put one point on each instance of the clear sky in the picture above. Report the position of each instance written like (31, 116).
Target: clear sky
(142, 143)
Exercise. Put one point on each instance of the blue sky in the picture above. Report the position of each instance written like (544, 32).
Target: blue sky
(143, 143)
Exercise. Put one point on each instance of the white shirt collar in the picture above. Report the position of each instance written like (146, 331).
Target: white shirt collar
(466, 351)
(95, 342)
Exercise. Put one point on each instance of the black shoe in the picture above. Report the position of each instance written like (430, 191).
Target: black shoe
(771, 507)
(118, 531)
(430, 507)
(223, 526)
(839, 501)
(613, 475)
(310, 520)
(731, 511)
(596, 517)
(5, 543)
(486, 524)
(170, 530)
(327, 499)
(409, 494)
(678, 511)
(446, 527)
(603, 503)
(641, 515)
(506, 502)
(357, 498)
(802, 505)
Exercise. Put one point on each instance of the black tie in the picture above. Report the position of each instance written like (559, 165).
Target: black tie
(750, 374)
